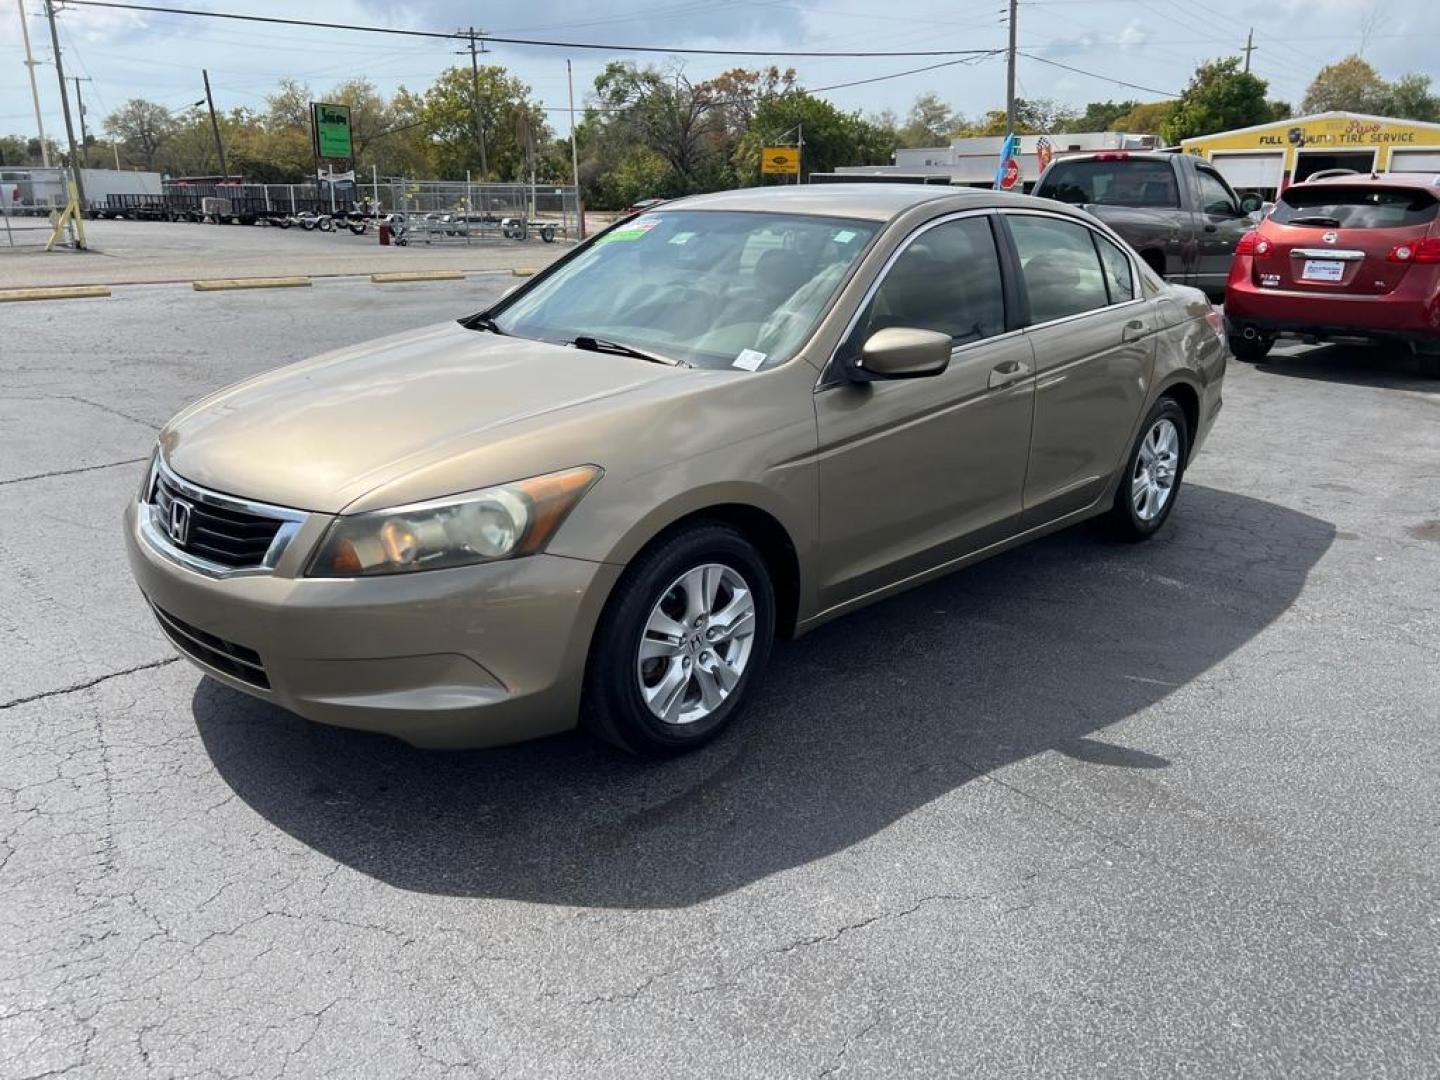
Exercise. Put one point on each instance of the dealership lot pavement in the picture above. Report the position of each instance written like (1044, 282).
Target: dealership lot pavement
(1082, 810)
(123, 252)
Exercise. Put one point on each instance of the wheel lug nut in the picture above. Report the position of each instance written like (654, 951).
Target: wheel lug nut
(712, 634)
(704, 657)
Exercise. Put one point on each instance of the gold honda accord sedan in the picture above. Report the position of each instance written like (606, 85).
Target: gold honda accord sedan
(731, 418)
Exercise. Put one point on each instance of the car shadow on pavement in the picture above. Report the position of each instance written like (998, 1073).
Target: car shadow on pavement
(1383, 367)
(858, 724)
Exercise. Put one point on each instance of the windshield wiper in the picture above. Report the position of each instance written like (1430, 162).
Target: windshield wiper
(1315, 219)
(483, 322)
(594, 344)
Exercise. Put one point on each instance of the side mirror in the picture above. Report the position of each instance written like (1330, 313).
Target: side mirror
(900, 352)
(1251, 203)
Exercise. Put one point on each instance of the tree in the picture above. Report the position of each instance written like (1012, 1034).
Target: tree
(663, 111)
(141, 128)
(448, 110)
(928, 123)
(1146, 118)
(1101, 115)
(832, 137)
(1349, 85)
(1219, 97)
(1409, 98)
(1033, 116)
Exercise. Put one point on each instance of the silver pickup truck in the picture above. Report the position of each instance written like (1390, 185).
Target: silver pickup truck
(1174, 209)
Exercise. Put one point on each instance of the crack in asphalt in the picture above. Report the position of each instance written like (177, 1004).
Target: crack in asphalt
(87, 684)
(73, 472)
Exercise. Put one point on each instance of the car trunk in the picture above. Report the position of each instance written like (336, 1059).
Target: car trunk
(1335, 239)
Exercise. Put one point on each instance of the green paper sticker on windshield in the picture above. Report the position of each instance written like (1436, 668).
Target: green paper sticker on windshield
(633, 231)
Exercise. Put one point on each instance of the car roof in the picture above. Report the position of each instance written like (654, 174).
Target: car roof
(1401, 179)
(877, 202)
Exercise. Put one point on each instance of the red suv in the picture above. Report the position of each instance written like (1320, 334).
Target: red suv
(1339, 259)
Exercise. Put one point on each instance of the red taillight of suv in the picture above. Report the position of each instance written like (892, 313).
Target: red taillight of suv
(1252, 243)
(1421, 251)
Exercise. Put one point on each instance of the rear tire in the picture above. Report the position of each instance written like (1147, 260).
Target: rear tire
(682, 643)
(1251, 350)
(1150, 483)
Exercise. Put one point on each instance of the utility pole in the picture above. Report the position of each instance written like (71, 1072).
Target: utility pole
(475, 96)
(1010, 73)
(575, 154)
(30, 63)
(80, 109)
(65, 103)
(1249, 48)
(215, 126)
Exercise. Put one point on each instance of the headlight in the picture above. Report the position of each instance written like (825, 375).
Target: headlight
(501, 522)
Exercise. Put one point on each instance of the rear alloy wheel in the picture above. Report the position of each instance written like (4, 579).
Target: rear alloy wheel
(1151, 481)
(684, 638)
(1251, 350)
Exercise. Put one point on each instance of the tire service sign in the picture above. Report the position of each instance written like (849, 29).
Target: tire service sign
(332, 130)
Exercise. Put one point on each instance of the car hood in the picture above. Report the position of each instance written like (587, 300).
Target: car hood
(321, 434)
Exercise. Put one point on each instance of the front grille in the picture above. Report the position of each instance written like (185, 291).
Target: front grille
(232, 538)
(234, 660)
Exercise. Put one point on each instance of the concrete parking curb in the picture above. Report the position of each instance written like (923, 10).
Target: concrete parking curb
(56, 292)
(217, 284)
(418, 275)
(523, 273)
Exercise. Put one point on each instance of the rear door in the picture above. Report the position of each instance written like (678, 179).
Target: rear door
(1220, 224)
(1093, 336)
(1329, 238)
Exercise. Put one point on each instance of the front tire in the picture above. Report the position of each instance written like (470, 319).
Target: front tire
(682, 644)
(1150, 484)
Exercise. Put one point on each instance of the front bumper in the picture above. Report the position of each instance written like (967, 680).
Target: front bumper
(469, 657)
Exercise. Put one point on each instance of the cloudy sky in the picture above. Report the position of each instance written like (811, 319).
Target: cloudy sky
(1151, 43)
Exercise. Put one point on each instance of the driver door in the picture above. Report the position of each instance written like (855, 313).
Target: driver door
(915, 473)
(1221, 224)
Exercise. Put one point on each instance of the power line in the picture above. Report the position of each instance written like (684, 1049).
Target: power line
(900, 74)
(509, 40)
(1103, 78)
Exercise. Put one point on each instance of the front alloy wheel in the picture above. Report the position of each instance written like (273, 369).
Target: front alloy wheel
(682, 642)
(696, 644)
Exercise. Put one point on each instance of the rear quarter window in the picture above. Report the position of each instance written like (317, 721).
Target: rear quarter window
(1342, 207)
(1123, 182)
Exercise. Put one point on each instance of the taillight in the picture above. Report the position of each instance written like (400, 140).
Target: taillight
(1114, 155)
(1216, 321)
(1252, 244)
(1421, 251)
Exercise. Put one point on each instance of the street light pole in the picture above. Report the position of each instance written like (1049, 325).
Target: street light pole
(34, 86)
(65, 103)
(574, 154)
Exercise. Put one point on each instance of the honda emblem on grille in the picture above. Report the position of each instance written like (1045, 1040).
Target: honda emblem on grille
(179, 525)
(1331, 237)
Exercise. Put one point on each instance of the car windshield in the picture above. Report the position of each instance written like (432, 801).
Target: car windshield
(1346, 207)
(714, 289)
(1121, 182)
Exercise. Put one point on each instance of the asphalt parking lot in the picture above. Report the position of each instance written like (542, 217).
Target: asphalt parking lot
(1082, 810)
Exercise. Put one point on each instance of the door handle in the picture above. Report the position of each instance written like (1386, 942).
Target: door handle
(1011, 371)
(1134, 330)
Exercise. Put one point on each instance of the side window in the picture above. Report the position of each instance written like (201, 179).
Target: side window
(1059, 265)
(1119, 275)
(947, 279)
(1215, 197)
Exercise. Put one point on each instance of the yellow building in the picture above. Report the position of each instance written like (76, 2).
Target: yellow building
(1269, 157)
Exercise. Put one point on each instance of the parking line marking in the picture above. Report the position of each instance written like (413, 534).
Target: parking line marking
(58, 292)
(418, 275)
(216, 284)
